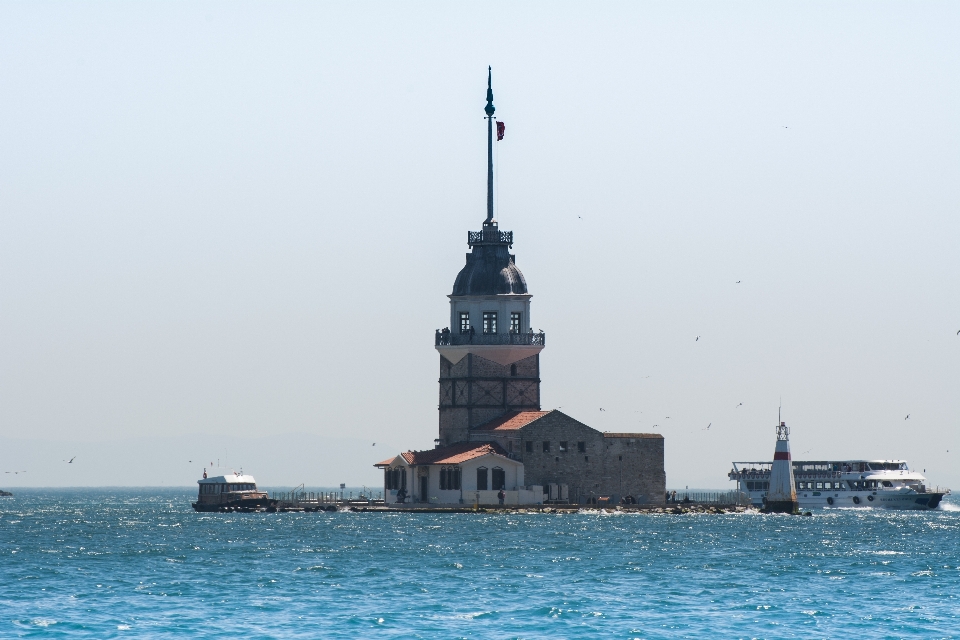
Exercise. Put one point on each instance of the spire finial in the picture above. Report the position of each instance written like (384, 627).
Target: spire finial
(489, 109)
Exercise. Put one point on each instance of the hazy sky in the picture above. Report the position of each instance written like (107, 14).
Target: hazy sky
(243, 219)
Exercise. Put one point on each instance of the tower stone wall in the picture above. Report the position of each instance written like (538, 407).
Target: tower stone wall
(476, 390)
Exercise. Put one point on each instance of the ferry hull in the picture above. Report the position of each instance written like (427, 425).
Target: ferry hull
(879, 500)
(257, 504)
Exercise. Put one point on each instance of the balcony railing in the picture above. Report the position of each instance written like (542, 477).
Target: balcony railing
(492, 236)
(446, 338)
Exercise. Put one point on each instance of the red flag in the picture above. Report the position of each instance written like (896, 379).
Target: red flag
(500, 129)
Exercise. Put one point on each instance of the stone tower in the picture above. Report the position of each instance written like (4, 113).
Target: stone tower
(489, 354)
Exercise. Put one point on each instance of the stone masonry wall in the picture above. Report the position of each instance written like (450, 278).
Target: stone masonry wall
(476, 390)
(614, 465)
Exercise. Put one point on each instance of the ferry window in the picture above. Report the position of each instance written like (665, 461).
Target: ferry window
(887, 483)
(482, 479)
(546, 446)
(582, 447)
(819, 485)
(529, 446)
(563, 445)
(489, 321)
(464, 322)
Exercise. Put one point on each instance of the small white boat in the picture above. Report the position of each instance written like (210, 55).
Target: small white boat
(885, 484)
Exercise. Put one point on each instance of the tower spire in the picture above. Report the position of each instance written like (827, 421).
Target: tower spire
(489, 110)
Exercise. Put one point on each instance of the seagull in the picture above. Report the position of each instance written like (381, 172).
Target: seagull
(656, 425)
(908, 417)
(70, 461)
(698, 339)
(958, 333)
(739, 405)
(601, 408)
(738, 282)
(668, 417)
(708, 427)
(374, 444)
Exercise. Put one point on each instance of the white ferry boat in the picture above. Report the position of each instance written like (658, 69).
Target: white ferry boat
(886, 484)
(230, 492)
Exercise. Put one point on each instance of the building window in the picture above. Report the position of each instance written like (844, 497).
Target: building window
(450, 479)
(514, 322)
(482, 479)
(529, 446)
(513, 370)
(499, 479)
(464, 322)
(563, 446)
(546, 446)
(582, 447)
(489, 321)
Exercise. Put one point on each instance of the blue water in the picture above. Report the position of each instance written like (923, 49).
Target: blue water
(140, 563)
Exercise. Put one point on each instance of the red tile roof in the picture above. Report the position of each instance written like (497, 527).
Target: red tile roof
(386, 463)
(452, 454)
(512, 421)
(633, 435)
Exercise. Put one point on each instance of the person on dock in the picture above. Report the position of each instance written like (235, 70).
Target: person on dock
(501, 495)
(401, 496)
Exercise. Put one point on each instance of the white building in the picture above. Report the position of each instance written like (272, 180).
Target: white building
(465, 473)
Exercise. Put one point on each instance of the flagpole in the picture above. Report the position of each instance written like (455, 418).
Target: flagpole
(489, 110)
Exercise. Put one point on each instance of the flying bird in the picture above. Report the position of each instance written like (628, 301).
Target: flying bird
(908, 417)
(708, 427)
(738, 282)
(70, 461)
(374, 444)
(601, 408)
(698, 339)
(739, 405)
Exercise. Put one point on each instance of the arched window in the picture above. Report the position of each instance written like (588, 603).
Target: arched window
(499, 479)
(482, 479)
(443, 479)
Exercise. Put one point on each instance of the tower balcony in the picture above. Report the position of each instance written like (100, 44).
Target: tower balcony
(446, 338)
(490, 235)
(503, 348)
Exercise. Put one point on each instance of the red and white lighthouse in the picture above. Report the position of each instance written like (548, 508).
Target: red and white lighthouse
(782, 495)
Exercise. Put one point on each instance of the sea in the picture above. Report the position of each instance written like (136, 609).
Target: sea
(139, 563)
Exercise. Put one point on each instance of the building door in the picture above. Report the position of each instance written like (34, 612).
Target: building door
(499, 479)
(425, 489)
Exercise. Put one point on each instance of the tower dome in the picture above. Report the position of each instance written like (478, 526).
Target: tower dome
(491, 269)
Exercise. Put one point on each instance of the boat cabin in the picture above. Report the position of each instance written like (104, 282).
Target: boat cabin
(232, 487)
